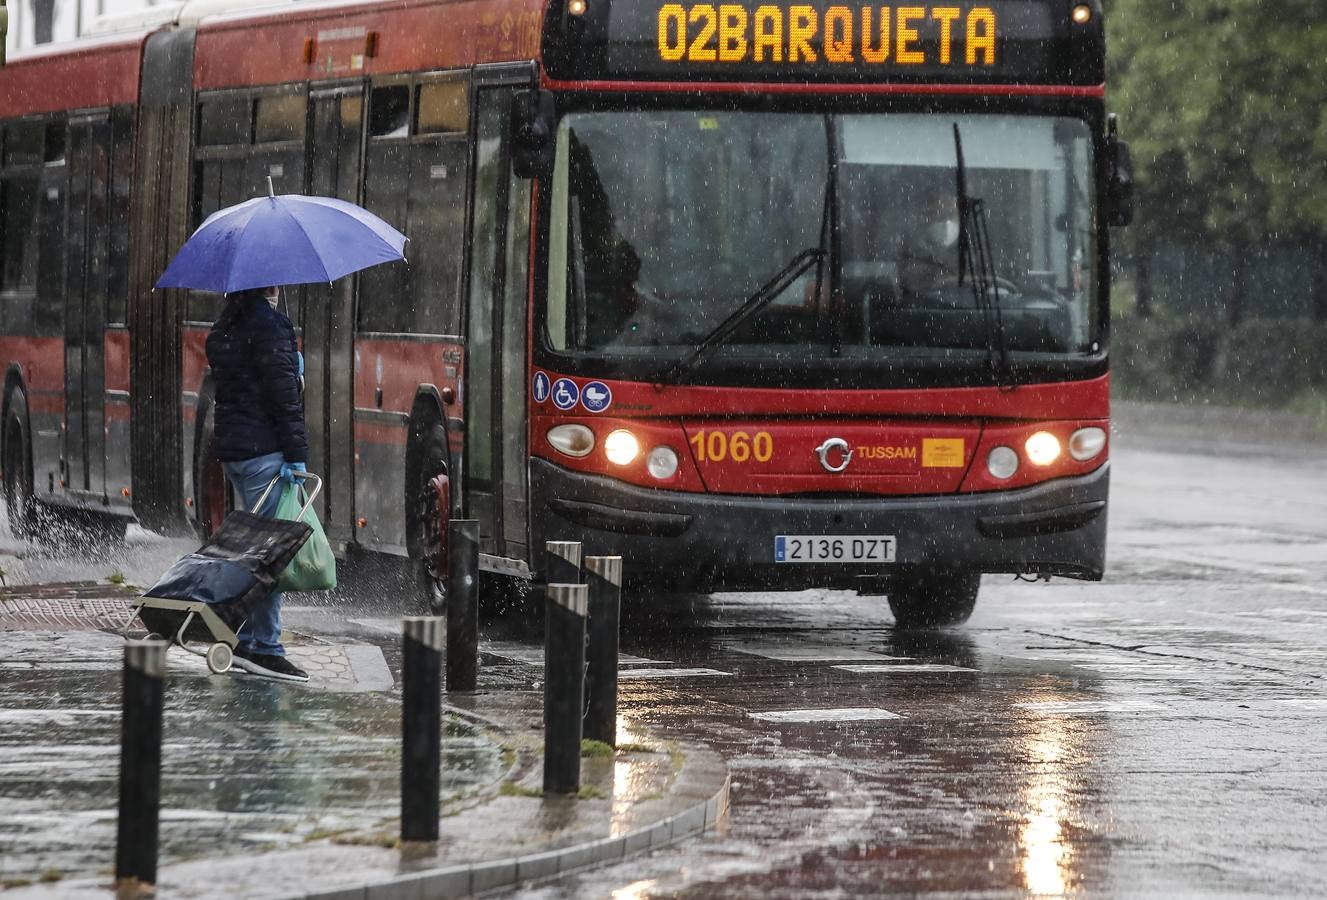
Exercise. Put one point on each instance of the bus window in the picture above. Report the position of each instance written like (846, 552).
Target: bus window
(122, 141)
(435, 223)
(225, 120)
(387, 301)
(54, 142)
(389, 111)
(18, 207)
(278, 118)
(442, 108)
(24, 143)
(384, 305)
(48, 311)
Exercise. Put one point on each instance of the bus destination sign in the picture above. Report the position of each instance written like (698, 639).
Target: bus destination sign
(840, 35)
(990, 41)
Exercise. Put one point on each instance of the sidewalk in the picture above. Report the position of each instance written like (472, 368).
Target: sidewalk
(279, 790)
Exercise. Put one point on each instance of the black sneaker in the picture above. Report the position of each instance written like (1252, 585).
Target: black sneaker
(269, 666)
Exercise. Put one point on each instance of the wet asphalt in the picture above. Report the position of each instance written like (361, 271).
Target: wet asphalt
(1161, 733)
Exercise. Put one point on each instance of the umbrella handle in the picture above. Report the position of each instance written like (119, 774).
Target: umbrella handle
(308, 501)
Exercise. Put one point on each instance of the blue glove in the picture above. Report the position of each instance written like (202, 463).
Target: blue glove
(289, 469)
(300, 356)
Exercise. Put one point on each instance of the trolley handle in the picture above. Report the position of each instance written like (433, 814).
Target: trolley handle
(308, 501)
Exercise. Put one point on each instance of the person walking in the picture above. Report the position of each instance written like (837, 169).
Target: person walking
(260, 434)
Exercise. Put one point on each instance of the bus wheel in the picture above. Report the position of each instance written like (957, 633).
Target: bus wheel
(933, 599)
(25, 514)
(427, 535)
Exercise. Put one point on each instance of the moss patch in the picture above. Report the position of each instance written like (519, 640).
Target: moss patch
(516, 789)
(636, 748)
(595, 749)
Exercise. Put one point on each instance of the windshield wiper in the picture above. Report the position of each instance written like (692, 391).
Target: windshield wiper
(749, 307)
(976, 257)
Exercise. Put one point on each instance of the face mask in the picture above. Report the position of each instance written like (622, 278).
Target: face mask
(273, 299)
(943, 233)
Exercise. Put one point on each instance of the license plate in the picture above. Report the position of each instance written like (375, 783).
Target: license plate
(833, 548)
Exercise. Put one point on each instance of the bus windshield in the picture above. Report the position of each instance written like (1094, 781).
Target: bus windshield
(666, 222)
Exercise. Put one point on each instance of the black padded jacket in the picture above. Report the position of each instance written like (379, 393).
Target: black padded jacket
(255, 372)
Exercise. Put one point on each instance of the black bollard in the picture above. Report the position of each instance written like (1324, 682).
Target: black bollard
(564, 686)
(562, 562)
(140, 765)
(421, 726)
(462, 605)
(604, 582)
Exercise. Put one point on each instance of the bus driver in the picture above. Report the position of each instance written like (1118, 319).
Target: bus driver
(928, 256)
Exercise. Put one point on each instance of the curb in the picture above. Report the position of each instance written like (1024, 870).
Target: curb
(468, 879)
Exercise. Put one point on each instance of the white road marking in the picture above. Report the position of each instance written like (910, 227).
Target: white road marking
(634, 674)
(1286, 612)
(847, 714)
(902, 667)
(809, 653)
(1093, 707)
(1197, 559)
(627, 660)
(534, 655)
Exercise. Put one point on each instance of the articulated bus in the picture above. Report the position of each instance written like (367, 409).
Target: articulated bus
(753, 294)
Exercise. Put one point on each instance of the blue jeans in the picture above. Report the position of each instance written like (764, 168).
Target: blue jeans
(261, 633)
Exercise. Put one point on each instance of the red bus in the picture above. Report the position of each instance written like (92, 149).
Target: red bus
(754, 295)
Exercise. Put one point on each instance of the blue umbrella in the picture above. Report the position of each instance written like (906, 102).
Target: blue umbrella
(290, 239)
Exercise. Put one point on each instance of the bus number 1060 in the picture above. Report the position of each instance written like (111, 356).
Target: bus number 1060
(740, 447)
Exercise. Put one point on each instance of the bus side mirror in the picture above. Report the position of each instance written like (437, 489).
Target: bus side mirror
(532, 121)
(1119, 179)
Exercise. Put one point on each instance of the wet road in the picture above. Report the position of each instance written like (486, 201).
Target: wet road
(1160, 733)
(249, 765)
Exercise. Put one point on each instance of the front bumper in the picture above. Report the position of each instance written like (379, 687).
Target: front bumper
(712, 541)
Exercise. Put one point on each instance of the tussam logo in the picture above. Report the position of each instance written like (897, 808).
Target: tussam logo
(885, 451)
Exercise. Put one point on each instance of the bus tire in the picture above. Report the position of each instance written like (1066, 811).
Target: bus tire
(26, 516)
(423, 527)
(933, 599)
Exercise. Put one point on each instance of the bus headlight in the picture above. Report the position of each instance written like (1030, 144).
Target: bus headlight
(573, 440)
(621, 447)
(1043, 448)
(662, 463)
(1002, 462)
(1086, 443)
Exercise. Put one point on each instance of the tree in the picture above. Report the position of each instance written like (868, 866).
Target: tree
(1225, 104)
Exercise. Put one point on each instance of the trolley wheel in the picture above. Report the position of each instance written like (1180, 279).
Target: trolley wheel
(219, 657)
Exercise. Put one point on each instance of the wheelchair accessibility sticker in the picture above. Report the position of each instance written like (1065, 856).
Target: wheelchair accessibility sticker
(565, 394)
(539, 387)
(596, 397)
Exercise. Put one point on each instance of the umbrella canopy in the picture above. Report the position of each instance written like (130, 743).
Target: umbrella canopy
(290, 239)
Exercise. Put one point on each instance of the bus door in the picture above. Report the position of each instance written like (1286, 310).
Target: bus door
(87, 249)
(496, 371)
(335, 143)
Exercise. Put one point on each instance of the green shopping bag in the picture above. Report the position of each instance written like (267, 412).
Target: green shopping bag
(314, 566)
